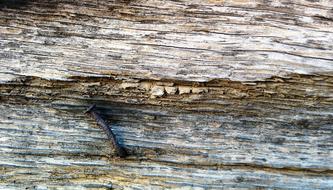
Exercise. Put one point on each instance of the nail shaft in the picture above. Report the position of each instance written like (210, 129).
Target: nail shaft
(121, 152)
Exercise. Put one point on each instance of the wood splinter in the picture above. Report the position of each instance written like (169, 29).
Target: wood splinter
(120, 151)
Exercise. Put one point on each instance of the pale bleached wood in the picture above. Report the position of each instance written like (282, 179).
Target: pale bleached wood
(194, 41)
(203, 94)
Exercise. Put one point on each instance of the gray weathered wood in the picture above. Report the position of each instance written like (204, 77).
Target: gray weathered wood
(202, 94)
(52, 146)
(198, 40)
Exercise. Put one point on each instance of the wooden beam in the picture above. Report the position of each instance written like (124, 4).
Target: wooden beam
(190, 41)
(202, 94)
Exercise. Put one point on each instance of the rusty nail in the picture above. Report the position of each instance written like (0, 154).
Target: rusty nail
(121, 152)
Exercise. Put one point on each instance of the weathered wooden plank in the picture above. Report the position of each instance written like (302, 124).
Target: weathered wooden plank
(194, 41)
(203, 94)
(165, 136)
(56, 147)
(281, 126)
(76, 173)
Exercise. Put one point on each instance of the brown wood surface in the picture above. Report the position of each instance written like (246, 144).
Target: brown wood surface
(202, 94)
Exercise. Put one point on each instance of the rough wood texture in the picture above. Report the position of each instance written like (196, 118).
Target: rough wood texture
(202, 94)
(198, 40)
(56, 145)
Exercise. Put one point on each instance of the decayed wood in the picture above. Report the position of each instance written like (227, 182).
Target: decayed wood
(198, 40)
(202, 94)
(52, 146)
(279, 128)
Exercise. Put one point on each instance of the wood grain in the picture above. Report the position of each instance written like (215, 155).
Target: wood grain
(192, 41)
(44, 146)
(282, 126)
(202, 94)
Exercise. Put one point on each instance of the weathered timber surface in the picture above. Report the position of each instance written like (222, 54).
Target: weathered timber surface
(202, 94)
(53, 146)
(275, 134)
(196, 40)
